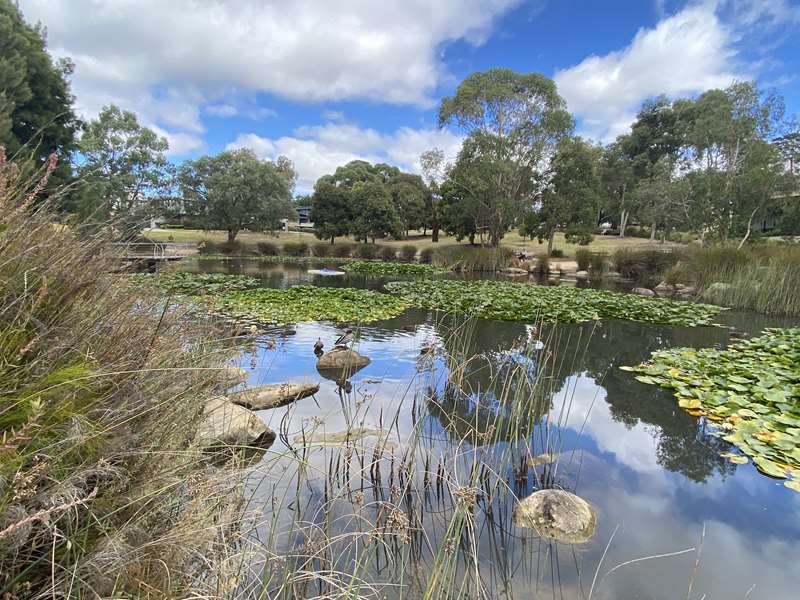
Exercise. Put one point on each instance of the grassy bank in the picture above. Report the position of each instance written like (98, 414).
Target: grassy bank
(512, 241)
(102, 493)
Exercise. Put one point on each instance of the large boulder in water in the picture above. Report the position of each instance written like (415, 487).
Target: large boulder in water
(227, 424)
(643, 292)
(557, 515)
(342, 360)
(273, 395)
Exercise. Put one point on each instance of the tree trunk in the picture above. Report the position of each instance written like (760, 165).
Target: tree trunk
(749, 229)
(623, 223)
(435, 235)
(653, 232)
(471, 239)
(332, 238)
(424, 231)
(232, 235)
(550, 239)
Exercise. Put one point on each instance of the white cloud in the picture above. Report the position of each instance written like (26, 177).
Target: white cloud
(318, 150)
(166, 60)
(688, 52)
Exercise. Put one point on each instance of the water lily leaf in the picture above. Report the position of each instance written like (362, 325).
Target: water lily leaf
(794, 484)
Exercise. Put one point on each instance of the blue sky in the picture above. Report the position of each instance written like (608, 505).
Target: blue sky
(324, 81)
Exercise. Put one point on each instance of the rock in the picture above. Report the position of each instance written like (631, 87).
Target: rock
(225, 423)
(643, 292)
(514, 271)
(543, 459)
(342, 358)
(665, 289)
(273, 395)
(581, 274)
(348, 435)
(556, 514)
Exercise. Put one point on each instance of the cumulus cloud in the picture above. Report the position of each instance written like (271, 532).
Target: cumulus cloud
(318, 150)
(688, 52)
(165, 60)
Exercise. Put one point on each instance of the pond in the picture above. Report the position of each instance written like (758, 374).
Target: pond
(445, 426)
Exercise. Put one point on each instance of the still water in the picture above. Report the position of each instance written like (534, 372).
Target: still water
(674, 519)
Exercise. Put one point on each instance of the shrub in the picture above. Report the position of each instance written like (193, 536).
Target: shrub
(469, 258)
(387, 253)
(321, 249)
(207, 247)
(267, 249)
(426, 255)
(295, 248)
(598, 263)
(583, 258)
(645, 267)
(408, 252)
(581, 238)
(542, 264)
(342, 250)
(557, 253)
(367, 251)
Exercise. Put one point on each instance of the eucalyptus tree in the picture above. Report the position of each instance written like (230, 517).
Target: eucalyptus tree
(36, 115)
(331, 209)
(725, 135)
(513, 121)
(374, 213)
(434, 172)
(123, 169)
(235, 190)
(570, 199)
(618, 180)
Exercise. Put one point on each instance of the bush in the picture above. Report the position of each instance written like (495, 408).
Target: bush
(557, 253)
(320, 249)
(581, 238)
(367, 251)
(644, 267)
(342, 250)
(583, 257)
(267, 249)
(235, 248)
(469, 258)
(426, 255)
(295, 248)
(387, 253)
(408, 252)
(542, 266)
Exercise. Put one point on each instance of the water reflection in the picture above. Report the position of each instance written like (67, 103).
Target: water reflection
(651, 471)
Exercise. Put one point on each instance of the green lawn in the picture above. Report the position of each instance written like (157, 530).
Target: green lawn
(511, 240)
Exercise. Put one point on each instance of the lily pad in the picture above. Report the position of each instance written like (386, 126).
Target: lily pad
(751, 388)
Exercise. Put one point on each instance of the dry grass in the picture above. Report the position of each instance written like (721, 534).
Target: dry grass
(101, 491)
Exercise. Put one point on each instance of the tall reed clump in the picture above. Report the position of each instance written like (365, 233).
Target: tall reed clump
(644, 267)
(472, 258)
(763, 278)
(583, 257)
(102, 493)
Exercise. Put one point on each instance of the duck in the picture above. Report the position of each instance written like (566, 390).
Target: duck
(318, 346)
(345, 338)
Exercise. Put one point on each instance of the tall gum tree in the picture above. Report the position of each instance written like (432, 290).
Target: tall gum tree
(514, 121)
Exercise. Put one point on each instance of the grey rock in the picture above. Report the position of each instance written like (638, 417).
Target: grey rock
(582, 274)
(515, 271)
(557, 515)
(273, 395)
(643, 292)
(342, 358)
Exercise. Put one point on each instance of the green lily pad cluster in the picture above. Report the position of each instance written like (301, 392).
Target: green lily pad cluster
(751, 389)
(392, 268)
(194, 284)
(309, 303)
(508, 301)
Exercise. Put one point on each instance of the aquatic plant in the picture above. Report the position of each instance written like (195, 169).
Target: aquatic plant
(472, 258)
(181, 282)
(507, 301)
(308, 303)
(751, 389)
(393, 268)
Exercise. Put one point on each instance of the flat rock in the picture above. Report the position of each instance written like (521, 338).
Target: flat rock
(232, 376)
(225, 423)
(643, 292)
(582, 274)
(273, 395)
(340, 437)
(557, 515)
(514, 271)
